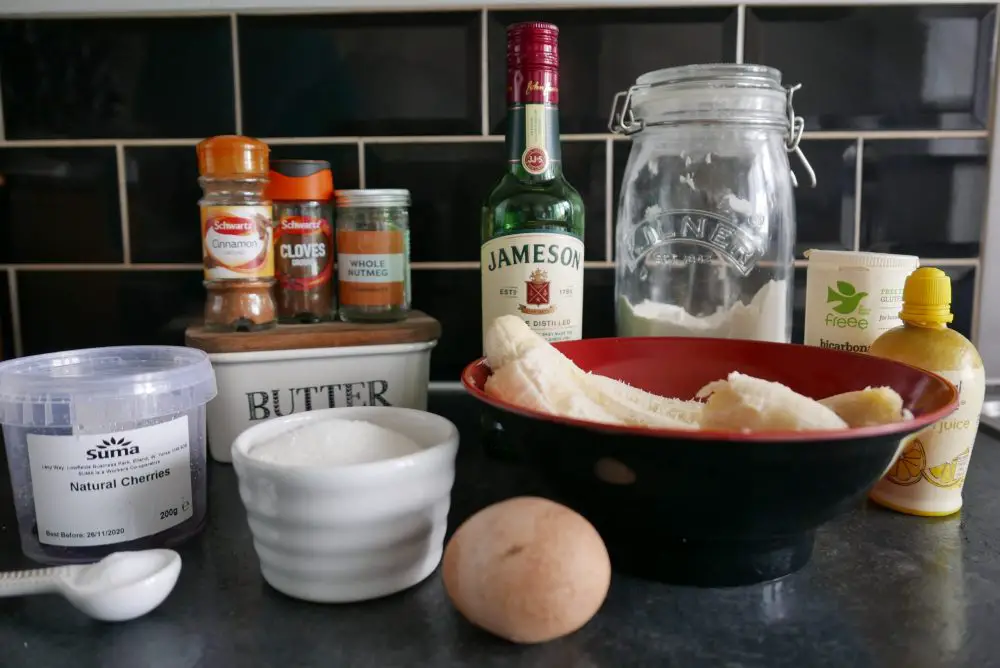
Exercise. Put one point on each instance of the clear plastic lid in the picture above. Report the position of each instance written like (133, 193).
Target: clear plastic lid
(115, 386)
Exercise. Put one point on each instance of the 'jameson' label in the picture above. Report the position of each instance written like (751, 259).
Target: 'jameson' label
(538, 277)
(96, 489)
(737, 239)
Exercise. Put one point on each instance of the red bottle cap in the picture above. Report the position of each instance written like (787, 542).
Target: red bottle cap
(533, 45)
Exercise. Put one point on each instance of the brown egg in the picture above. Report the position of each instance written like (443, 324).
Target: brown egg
(527, 569)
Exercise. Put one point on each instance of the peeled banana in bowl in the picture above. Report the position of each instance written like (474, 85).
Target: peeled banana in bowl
(527, 371)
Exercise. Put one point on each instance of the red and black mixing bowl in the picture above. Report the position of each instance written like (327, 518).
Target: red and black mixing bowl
(713, 508)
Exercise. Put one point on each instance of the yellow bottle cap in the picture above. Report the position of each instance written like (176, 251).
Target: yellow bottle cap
(927, 297)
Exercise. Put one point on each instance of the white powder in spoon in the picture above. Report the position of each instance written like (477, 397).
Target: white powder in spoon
(333, 442)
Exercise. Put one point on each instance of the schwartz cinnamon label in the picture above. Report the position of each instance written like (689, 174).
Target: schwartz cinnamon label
(237, 242)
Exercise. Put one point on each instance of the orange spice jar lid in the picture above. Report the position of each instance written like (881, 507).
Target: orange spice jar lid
(306, 180)
(232, 155)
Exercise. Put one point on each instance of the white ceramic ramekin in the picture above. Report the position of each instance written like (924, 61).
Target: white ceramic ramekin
(350, 533)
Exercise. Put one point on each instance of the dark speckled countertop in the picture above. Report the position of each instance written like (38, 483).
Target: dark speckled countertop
(882, 590)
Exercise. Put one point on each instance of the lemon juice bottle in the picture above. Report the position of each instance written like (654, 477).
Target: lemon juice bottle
(928, 477)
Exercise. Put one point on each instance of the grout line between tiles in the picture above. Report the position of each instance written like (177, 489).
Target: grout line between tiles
(970, 262)
(484, 73)
(105, 266)
(361, 164)
(609, 203)
(741, 31)
(234, 32)
(445, 386)
(957, 262)
(15, 312)
(123, 203)
(820, 135)
(859, 166)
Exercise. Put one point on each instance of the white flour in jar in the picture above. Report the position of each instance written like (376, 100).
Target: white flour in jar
(334, 442)
(765, 318)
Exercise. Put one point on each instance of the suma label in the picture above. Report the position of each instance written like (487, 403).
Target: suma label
(117, 487)
(538, 277)
(237, 242)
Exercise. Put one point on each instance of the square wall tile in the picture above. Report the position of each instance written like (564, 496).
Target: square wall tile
(602, 52)
(449, 183)
(598, 303)
(824, 214)
(874, 67)
(799, 307)
(107, 308)
(360, 74)
(963, 291)
(925, 198)
(454, 297)
(121, 78)
(59, 205)
(163, 193)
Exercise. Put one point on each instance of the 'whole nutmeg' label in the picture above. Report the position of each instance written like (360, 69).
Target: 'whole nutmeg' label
(304, 258)
(371, 267)
(237, 242)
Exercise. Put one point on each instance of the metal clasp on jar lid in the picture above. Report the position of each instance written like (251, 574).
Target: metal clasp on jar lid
(796, 126)
(625, 123)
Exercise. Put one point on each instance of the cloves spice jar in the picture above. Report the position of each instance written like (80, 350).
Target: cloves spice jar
(237, 234)
(301, 191)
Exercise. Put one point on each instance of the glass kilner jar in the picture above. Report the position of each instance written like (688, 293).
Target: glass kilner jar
(532, 221)
(706, 218)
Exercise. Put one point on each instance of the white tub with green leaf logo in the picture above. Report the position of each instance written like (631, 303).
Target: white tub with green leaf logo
(852, 297)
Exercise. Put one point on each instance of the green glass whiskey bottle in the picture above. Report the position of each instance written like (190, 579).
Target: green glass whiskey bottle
(533, 220)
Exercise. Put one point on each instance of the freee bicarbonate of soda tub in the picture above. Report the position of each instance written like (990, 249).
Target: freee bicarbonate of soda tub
(853, 297)
(106, 449)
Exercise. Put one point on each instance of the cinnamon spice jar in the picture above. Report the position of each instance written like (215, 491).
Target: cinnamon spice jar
(301, 191)
(237, 234)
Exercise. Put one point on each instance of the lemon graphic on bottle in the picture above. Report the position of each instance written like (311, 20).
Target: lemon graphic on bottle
(928, 476)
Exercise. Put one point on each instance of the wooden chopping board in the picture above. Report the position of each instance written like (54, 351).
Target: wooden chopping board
(417, 328)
